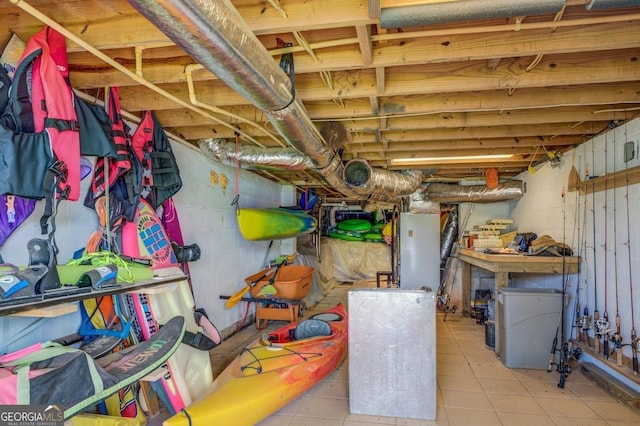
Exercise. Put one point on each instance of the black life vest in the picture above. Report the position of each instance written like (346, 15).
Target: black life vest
(118, 164)
(160, 177)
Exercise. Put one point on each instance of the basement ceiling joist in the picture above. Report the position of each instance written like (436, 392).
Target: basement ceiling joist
(519, 85)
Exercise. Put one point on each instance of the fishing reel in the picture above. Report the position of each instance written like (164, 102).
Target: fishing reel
(443, 301)
(584, 322)
(616, 339)
(563, 367)
(601, 327)
(576, 353)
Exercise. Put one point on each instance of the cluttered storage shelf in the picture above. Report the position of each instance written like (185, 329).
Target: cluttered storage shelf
(33, 306)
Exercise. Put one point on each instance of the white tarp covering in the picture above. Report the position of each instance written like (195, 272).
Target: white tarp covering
(356, 260)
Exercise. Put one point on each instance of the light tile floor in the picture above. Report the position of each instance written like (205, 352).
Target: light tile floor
(474, 387)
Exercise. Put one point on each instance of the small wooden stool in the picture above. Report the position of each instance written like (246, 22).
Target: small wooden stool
(290, 312)
(387, 274)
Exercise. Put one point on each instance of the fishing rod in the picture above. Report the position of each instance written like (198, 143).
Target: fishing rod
(563, 366)
(616, 337)
(634, 340)
(603, 323)
(584, 321)
(577, 323)
(596, 313)
(554, 344)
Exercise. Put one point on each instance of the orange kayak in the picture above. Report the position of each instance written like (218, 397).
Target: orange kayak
(272, 371)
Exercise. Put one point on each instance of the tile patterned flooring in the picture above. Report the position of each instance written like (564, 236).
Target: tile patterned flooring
(474, 387)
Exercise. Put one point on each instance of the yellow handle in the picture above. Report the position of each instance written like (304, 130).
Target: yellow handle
(233, 300)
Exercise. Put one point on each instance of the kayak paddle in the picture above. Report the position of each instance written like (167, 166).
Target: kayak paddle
(233, 300)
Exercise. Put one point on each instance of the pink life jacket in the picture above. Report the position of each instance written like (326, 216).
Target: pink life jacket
(53, 109)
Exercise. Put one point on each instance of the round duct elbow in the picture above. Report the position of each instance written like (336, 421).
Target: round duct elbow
(357, 173)
(377, 182)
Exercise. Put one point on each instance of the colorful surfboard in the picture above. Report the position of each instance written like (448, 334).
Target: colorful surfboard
(274, 223)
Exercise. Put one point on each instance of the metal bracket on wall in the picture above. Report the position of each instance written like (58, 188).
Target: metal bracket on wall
(629, 151)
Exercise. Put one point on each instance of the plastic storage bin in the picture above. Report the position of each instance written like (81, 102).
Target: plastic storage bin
(291, 282)
(527, 319)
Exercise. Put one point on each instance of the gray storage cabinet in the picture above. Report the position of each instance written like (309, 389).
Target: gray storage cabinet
(392, 353)
(527, 319)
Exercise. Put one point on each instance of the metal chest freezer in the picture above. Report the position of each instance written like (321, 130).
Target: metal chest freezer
(392, 353)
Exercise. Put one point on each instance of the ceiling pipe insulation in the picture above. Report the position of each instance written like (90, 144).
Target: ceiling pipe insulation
(448, 193)
(254, 157)
(214, 34)
(362, 177)
(610, 4)
(464, 11)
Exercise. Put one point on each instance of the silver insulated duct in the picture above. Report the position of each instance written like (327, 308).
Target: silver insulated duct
(254, 157)
(362, 178)
(449, 193)
(464, 11)
(214, 34)
(611, 4)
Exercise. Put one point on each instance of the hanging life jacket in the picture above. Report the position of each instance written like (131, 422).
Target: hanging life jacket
(164, 167)
(52, 105)
(39, 133)
(117, 165)
(160, 176)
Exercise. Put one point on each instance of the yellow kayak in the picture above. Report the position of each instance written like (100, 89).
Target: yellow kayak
(274, 223)
(271, 372)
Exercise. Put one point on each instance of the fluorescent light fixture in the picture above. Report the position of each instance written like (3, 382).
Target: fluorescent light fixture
(459, 159)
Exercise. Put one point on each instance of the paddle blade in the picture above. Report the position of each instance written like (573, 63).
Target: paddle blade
(267, 290)
(233, 300)
(574, 180)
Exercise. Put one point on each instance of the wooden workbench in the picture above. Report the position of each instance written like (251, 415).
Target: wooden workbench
(502, 264)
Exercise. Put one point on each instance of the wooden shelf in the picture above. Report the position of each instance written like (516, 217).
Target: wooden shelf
(630, 176)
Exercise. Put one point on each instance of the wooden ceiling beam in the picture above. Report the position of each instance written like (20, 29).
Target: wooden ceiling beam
(364, 41)
(518, 133)
(490, 143)
(415, 52)
(456, 86)
(457, 121)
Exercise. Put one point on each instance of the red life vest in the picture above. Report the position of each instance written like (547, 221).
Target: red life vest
(142, 144)
(52, 101)
(116, 166)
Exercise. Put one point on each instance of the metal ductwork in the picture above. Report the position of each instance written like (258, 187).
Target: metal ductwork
(254, 157)
(448, 193)
(214, 34)
(448, 237)
(610, 4)
(362, 178)
(464, 11)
